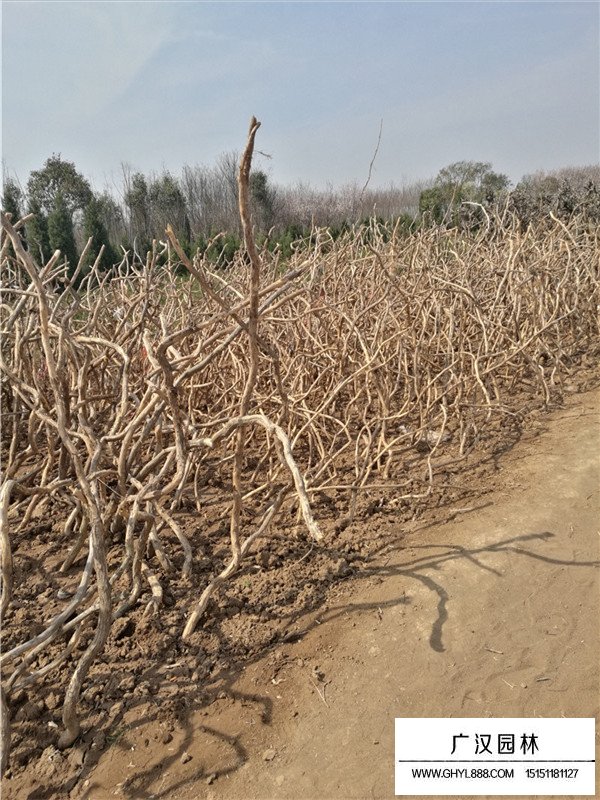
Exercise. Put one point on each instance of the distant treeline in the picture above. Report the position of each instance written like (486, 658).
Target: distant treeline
(201, 205)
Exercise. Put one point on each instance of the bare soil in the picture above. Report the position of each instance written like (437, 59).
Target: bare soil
(486, 605)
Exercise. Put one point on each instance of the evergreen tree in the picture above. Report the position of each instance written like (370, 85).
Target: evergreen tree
(59, 177)
(112, 217)
(60, 232)
(433, 204)
(93, 227)
(263, 196)
(11, 199)
(56, 193)
(138, 206)
(168, 207)
(36, 231)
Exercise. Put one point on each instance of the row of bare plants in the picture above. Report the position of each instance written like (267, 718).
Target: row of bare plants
(125, 393)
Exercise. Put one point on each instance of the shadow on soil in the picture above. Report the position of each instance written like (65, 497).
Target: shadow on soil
(416, 567)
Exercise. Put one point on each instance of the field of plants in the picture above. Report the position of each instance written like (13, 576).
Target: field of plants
(190, 455)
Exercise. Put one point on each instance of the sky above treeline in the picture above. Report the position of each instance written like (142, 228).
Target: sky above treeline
(158, 85)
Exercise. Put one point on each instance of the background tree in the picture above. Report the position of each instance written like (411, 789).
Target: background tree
(113, 219)
(201, 204)
(264, 198)
(433, 204)
(36, 232)
(60, 232)
(137, 203)
(210, 195)
(167, 207)
(59, 177)
(94, 227)
(57, 194)
(226, 194)
(12, 198)
(564, 192)
(462, 181)
(471, 179)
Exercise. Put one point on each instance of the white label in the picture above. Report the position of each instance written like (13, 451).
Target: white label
(529, 756)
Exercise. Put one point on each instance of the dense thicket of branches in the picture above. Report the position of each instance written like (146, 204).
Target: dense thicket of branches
(365, 355)
(373, 356)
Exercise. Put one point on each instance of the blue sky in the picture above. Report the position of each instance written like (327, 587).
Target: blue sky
(157, 84)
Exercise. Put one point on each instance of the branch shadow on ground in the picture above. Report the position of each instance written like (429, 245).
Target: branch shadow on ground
(415, 567)
(413, 562)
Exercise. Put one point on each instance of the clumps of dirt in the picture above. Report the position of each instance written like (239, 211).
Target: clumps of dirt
(145, 666)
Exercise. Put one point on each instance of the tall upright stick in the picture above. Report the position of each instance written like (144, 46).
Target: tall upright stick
(244, 205)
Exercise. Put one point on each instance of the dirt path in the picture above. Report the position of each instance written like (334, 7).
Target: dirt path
(493, 614)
